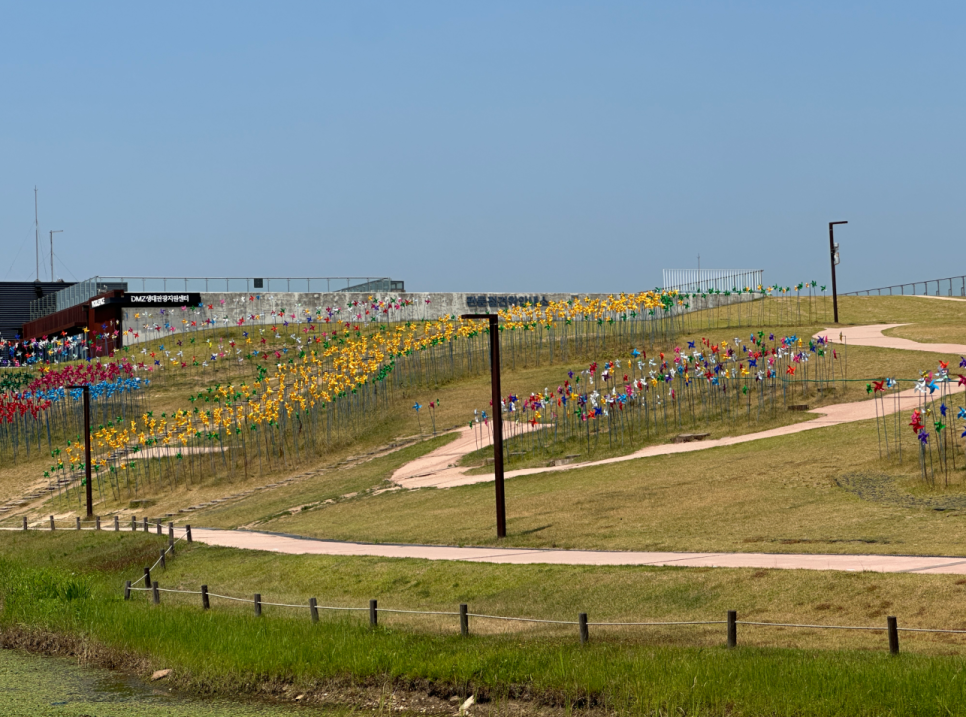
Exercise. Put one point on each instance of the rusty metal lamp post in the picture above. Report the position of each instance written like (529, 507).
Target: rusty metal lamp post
(87, 449)
(497, 417)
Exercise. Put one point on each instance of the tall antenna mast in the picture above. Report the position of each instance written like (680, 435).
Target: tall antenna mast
(37, 232)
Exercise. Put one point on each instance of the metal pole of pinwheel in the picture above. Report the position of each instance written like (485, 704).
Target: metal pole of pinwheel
(497, 417)
(87, 448)
(834, 252)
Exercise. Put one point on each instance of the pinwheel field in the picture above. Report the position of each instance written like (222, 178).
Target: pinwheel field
(633, 424)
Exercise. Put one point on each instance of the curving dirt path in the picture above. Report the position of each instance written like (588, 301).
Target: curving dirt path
(296, 545)
(438, 469)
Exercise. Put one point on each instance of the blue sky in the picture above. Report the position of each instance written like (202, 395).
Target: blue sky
(484, 146)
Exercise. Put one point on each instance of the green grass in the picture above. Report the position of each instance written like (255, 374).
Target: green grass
(312, 493)
(69, 584)
(774, 495)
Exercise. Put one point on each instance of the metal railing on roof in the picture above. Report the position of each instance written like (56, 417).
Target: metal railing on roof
(952, 286)
(699, 281)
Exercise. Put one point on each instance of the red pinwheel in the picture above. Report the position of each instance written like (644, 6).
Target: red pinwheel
(916, 422)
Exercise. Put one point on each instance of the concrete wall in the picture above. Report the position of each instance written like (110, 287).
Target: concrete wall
(350, 306)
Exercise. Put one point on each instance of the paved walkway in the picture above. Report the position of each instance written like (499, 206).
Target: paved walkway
(295, 545)
(439, 469)
(872, 336)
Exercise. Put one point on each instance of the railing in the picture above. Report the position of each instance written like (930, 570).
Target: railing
(953, 286)
(698, 281)
(312, 285)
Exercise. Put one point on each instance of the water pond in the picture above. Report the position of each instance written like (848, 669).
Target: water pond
(37, 686)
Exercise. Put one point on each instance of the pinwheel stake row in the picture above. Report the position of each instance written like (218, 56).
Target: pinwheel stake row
(639, 397)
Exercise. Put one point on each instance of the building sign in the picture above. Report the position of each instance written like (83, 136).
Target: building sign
(504, 300)
(163, 299)
(98, 302)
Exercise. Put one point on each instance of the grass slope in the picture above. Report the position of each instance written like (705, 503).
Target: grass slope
(70, 584)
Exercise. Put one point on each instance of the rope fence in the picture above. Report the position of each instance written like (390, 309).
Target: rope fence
(891, 627)
(153, 586)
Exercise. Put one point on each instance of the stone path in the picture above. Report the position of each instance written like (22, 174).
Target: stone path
(439, 469)
(296, 545)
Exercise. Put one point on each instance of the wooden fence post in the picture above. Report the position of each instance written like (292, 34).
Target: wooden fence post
(117, 524)
(97, 522)
(163, 566)
(145, 525)
(159, 527)
(314, 609)
(147, 577)
(205, 605)
(51, 522)
(25, 522)
(373, 614)
(258, 605)
(157, 593)
(893, 635)
(584, 632)
(464, 621)
(134, 523)
(127, 589)
(732, 628)
(188, 532)
(78, 522)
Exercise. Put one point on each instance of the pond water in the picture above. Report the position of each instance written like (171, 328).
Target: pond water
(37, 686)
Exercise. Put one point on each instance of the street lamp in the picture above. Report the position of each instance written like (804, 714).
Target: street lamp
(497, 417)
(52, 232)
(834, 255)
(87, 448)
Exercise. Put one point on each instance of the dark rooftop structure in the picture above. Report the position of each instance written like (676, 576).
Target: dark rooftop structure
(15, 300)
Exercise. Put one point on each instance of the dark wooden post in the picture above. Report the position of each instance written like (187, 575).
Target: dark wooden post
(78, 522)
(163, 566)
(584, 632)
(314, 609)
(117, 524)
(145, 524)
(127, 589)
(258, 605)
(147, 577)
(464, 621)
(156, 592)
(187, 529)
(205, 605)
(373, 614)
(25, 522)
(51, 522)
(134, 523)
(159, 527)
(893, 635)
(732, 628)
(87, 449)
(170, 532)
(97, 522)
(495, 397)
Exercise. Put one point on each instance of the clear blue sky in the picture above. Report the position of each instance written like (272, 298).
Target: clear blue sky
(485, 146)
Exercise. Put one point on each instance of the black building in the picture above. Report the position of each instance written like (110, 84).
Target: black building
(15, 298)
